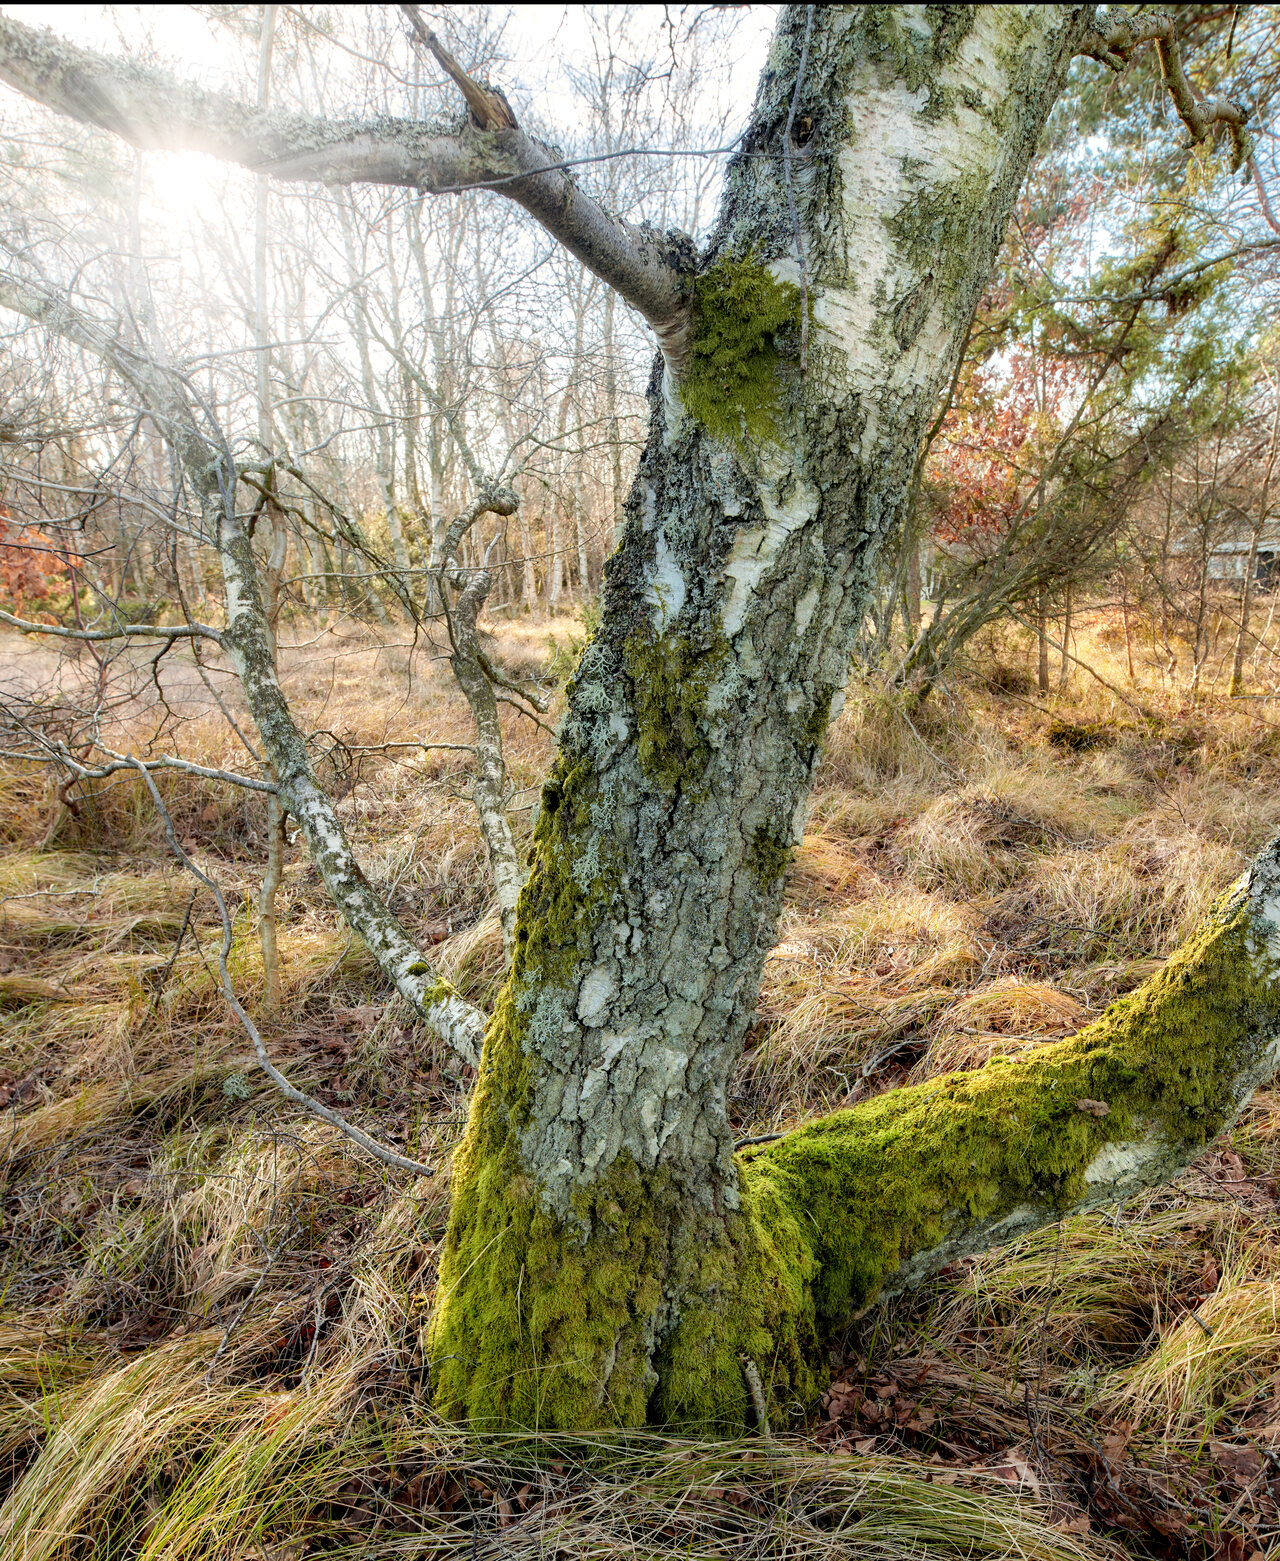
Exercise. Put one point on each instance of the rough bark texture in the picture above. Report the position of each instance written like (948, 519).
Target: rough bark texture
(607, 1262)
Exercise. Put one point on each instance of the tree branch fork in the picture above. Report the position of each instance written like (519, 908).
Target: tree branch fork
(152, 111)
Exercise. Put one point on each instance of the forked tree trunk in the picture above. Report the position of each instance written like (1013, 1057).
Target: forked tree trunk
(608, 1259)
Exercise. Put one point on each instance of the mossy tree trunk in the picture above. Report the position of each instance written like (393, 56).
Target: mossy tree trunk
(608, 1260)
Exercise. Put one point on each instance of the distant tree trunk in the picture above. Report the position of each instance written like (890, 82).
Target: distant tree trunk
(580, 533)
(1065, 670)
(608, 1260)
(272, 524)
(1124, 610)
(1201, 649)
(913, 591)
(1042, 643)
(384, 448)
(1255, 537)
(528, 575)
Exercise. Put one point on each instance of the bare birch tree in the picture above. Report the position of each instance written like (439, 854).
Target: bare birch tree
(610, 1260)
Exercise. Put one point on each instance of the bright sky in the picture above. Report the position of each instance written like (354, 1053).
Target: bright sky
(543, 42)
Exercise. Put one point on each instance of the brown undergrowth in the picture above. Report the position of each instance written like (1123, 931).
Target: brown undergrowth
(212, 1309)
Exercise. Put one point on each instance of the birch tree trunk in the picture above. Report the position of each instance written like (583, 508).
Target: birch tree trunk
(608, 1260)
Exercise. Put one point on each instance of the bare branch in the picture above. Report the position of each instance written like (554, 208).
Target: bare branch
(489, 108)
(186, 631)
(489, 783)
(1114, 39)
(120, 761)
(153, 111)
(371, 1146)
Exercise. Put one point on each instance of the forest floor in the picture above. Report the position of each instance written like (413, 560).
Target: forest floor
(211, 1307)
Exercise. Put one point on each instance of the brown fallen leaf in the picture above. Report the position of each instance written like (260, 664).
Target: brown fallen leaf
(1243, 1464)
(1094, 1108)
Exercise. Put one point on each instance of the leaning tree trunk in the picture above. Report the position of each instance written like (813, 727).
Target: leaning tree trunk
(608, 1260)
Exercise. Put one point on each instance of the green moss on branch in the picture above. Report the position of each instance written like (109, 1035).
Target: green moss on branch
(917, 1169)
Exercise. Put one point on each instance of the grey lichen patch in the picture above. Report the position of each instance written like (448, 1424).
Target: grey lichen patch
(910, 48)
(935, 230)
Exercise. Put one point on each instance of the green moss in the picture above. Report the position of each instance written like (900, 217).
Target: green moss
(550, 1323)
(867, 1188)
(527, 1307)
(672, 675)
(1080, 737)
(819, 718)
(768, 858)
(730, 379)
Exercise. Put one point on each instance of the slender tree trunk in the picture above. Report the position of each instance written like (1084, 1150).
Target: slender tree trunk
(1246, 605)
(1255, 537)
(384, 450)
(528, 576)
(553, 557)
(1124, 610)
(913, 591)
(272, 526)
(580, 533)
(1166, 540)
(1065, 669)
(1042, 644)
(608, 1260)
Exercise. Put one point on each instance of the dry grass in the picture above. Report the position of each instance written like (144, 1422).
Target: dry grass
(212, 1313)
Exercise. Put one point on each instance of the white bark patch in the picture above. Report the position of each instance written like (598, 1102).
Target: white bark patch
(595, 994)
(892, 133)
(611, 1048)
(649, 511)
(1116, 1164)
(805, 609)
(665, 591)
(754, 550)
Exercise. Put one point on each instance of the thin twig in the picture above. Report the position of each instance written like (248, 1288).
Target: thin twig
(356, 1135)
(756, 1389)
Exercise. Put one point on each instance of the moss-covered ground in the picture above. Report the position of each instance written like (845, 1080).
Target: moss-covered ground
(213, 1315)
